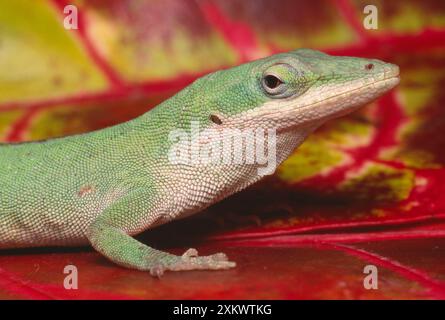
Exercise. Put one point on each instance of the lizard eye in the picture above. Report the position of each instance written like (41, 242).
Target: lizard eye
(281, 80)
(272, 84)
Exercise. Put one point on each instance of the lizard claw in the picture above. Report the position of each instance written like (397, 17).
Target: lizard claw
(191, 261)
(220, 256)
(157, 271)
(190, 253)
(193, 253)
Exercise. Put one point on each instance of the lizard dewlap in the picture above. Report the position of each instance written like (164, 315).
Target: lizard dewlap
(103, 187)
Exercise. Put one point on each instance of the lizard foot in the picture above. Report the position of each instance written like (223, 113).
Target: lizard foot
(191, 261)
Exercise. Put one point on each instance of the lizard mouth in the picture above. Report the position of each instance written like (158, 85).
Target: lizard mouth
(387, 83)
(348, 101)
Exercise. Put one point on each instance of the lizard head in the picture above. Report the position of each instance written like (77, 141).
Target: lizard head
(297, 89)
(289, 94)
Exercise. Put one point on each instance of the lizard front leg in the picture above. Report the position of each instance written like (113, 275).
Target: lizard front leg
(108, 235)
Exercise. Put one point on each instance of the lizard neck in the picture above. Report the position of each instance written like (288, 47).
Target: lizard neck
(203, 185)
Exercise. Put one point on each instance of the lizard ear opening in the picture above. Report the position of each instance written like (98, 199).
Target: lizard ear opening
(215, 119)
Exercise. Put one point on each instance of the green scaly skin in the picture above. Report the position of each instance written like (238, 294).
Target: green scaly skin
(103, 187)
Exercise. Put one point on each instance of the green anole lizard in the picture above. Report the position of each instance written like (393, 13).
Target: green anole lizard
(103, 187)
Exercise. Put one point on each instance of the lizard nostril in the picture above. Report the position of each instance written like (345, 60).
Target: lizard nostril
(369, 66)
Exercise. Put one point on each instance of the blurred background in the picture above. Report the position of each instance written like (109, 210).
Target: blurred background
(364, 189)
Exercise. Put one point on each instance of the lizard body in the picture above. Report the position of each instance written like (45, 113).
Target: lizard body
(105, 186)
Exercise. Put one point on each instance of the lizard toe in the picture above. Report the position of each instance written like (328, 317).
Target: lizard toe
(157, 270)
